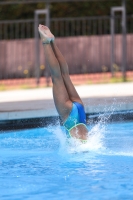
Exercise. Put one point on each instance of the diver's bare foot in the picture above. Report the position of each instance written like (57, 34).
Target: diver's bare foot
(45, 34)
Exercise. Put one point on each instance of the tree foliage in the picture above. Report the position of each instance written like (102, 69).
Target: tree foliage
(71, 9)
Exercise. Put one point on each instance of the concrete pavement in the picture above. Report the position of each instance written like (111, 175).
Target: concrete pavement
(35, 103)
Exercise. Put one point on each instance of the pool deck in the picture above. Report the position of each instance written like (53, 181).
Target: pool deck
(37, 103)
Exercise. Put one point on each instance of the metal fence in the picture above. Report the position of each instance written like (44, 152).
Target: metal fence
(63, 27)
(85, 43)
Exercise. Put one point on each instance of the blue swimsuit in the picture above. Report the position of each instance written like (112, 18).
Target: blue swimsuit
(76, 117)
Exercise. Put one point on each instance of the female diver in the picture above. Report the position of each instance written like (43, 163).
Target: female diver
(67, 101)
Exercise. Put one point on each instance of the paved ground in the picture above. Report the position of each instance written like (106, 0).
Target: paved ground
(21, 104)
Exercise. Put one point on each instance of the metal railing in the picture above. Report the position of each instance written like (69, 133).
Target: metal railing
(63, 27)
(85, 42)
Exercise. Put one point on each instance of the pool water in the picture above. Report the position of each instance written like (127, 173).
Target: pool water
(40, 164)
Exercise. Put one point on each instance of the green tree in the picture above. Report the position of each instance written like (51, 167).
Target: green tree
(71, 9)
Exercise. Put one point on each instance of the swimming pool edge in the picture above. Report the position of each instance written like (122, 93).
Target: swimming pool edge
(92, 118)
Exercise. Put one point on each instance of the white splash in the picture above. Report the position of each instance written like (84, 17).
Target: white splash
(72, 145)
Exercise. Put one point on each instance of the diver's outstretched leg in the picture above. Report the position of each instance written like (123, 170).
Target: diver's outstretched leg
(65, 74)
(73, 95)
(62, 101)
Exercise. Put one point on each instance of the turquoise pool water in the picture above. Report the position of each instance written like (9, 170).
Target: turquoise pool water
(40, 164)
